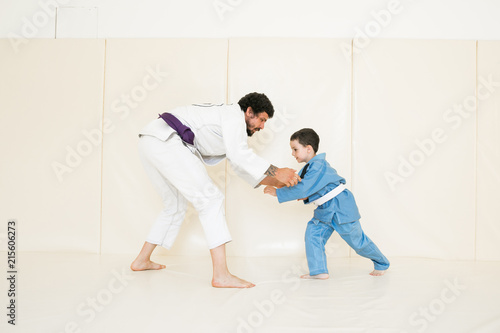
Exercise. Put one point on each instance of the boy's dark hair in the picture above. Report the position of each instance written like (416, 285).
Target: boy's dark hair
(307, 136)
(258, 102)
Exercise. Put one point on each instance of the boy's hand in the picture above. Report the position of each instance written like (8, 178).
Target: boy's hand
(270, 190)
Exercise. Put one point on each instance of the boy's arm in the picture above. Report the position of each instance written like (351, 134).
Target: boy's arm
(308, 186)
(293, 193)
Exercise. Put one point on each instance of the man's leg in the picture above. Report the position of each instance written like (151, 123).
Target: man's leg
(167, 224)
(187, 174)
(143, 261)
(221, 276)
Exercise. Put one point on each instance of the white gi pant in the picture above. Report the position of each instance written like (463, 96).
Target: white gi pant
(180, 176)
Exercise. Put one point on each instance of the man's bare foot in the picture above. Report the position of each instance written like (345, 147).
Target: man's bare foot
(230, 281)
(377, 273)
(322, 276)
(139, 265)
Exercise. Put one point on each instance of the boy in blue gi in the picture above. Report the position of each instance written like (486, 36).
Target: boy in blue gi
(336, 208)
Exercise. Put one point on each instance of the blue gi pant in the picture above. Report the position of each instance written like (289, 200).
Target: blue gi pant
(317, 234)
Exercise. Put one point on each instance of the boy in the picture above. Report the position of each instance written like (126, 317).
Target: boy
(336, 208)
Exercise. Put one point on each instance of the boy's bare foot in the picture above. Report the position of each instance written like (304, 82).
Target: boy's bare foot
(322, 276)
(377, 273)
(230, 281)
(138, 265)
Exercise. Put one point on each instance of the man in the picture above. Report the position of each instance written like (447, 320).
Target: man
(172, 149)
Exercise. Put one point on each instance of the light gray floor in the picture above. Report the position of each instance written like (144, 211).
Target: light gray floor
(91, 293)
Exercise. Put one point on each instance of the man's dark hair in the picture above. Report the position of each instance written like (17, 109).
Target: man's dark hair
(307, 136)
(258, 102)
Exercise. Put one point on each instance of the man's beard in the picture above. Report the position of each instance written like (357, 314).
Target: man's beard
(249, 132)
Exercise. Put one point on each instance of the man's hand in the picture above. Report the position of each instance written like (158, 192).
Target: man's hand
(270, 190)
(286, 176)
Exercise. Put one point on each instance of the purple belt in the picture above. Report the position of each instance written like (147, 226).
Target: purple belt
(184, 132)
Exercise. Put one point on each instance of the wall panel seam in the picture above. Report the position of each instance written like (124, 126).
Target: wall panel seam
(351, 111)
(227, 101)
(102, 143)
(475, 155)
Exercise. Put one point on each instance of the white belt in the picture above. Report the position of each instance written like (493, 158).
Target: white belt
(329, 196)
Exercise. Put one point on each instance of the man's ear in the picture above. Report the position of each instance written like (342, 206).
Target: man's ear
(249, 112)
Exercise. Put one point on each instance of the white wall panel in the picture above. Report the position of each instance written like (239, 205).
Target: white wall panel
(308, 81)
(413, 139)
(488, 151)
(50, 100)
(446, 19)
(77, 22)
(144, 78)
(414, 146)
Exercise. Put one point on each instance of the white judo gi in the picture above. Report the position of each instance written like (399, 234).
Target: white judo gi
(177, 171)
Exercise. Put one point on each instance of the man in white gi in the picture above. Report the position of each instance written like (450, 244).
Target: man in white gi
(172, 149)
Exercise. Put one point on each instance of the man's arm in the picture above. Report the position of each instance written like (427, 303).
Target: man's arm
(272, 182)
(280, 177)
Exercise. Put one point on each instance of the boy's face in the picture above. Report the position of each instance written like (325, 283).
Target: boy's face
(300, 152)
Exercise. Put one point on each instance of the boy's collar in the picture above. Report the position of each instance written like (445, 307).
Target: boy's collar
(321, 156)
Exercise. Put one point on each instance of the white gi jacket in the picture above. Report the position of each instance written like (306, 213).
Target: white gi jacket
(220, 131)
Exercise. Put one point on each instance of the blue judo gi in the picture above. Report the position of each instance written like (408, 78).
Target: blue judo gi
(340, 213)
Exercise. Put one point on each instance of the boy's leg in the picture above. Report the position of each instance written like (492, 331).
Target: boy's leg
(354, 236)
(316, 237)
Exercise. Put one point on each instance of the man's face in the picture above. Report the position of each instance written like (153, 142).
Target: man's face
(255, 122)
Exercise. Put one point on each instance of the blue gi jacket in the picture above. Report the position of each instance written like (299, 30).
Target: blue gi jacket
(320, 179)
